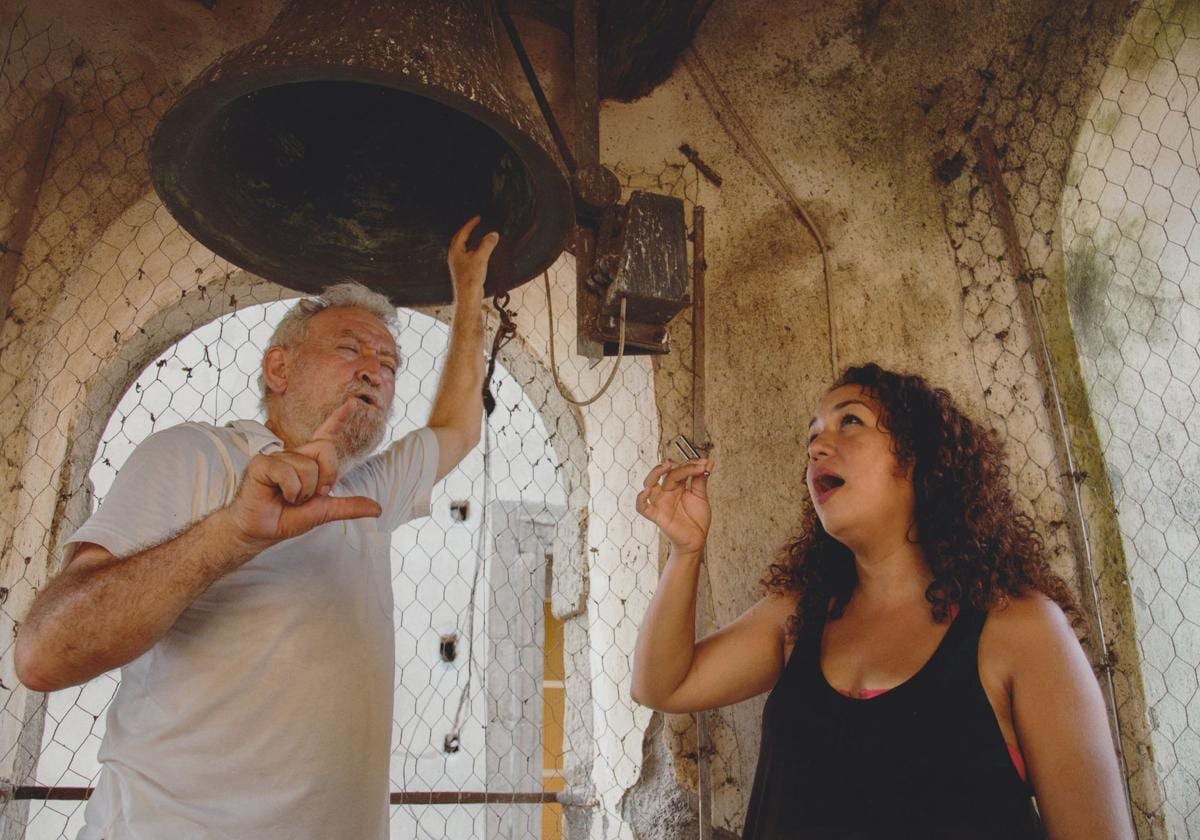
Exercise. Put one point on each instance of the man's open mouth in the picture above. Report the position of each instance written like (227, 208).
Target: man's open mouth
(368, 399)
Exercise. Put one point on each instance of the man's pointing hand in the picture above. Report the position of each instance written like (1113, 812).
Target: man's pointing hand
(286, 494)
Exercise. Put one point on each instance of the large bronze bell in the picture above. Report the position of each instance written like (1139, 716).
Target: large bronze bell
(352, 140)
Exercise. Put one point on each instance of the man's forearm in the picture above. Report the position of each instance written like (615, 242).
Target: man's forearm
(100, 615)
(459, 400)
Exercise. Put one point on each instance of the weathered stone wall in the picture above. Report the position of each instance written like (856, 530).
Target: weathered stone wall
(868, 112)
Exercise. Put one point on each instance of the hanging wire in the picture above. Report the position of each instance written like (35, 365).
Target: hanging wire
(453, 737)
(554, 365)
(506, 330)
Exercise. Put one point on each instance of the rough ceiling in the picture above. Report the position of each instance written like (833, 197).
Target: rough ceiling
(639, 41)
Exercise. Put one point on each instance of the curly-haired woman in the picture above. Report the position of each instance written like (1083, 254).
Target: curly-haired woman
(925, 680)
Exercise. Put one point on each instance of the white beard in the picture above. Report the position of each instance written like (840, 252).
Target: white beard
(361, 434)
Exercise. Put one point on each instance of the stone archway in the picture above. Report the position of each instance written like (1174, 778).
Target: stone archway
(1132, 266)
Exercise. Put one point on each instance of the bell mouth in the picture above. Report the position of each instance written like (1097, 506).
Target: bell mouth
(308, 183)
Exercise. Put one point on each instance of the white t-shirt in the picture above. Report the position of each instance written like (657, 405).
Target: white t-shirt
(266, 710)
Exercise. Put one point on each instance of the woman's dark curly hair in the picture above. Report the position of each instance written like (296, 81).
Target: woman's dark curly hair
(980, 549)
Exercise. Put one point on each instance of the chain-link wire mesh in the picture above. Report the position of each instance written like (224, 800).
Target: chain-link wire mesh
(479, 572)
(518, 599)
(1133, 262)
(445, 570)
(1099, 163)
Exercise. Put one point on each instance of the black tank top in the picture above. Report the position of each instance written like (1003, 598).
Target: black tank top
(925, 759)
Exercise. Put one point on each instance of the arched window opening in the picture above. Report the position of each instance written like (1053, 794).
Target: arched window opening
(466, 572)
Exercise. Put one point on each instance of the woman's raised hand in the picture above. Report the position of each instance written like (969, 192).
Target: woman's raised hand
(675, 498)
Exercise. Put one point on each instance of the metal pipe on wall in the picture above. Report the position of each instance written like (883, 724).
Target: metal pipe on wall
(700, 434)
(1052, 398)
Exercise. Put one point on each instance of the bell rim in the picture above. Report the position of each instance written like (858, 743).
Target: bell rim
(205, 99)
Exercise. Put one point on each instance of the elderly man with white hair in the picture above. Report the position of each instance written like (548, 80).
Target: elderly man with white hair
(241, 578)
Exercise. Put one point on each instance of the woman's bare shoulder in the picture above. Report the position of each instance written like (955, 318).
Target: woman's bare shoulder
(1027, 629)
(1032, 613)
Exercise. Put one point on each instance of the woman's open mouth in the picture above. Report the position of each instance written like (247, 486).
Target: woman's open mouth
(825, 484)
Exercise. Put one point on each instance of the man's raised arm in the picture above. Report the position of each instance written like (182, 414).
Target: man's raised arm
(458, 406)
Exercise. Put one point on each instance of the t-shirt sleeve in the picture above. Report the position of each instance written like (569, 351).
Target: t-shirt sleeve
(400, 478)
(172, 479)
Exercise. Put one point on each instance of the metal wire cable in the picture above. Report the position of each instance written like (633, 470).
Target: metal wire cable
(554, 365)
